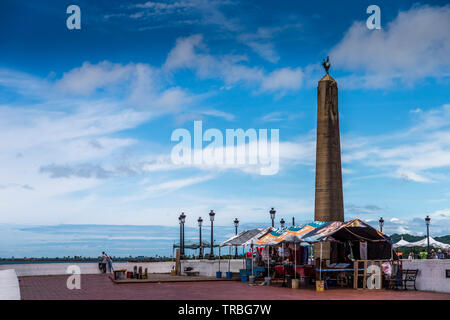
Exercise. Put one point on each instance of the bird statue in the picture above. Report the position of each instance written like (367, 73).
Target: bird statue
(326, 64)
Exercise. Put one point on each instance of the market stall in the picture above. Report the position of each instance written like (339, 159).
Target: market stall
(244, 239)
(337, 245)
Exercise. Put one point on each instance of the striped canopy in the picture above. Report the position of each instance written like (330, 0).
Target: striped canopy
(315, 232)
(279, 235)
(246, 237)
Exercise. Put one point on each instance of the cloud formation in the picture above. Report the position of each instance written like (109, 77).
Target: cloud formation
(412, 47)
(189, 53)
(418, 150)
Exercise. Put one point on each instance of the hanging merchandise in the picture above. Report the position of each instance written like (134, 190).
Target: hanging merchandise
(283, 251)
(304, 255)
(351, 256)
(363, 250)
(265, 253)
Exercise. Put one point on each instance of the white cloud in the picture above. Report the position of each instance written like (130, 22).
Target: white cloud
(402, 230)
(283, 79)
(188, 53)
(173, 185)
(260, 42)
(88, 78)
(154, 14)
(414, 46)
(417, 151)
(439, 215)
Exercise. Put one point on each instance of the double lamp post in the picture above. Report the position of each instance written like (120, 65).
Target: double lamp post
(182, 219)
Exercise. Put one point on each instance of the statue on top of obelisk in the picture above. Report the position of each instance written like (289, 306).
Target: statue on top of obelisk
(329, 202)
(326, 64)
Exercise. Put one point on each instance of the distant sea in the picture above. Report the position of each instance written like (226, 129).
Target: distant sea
(90, 240)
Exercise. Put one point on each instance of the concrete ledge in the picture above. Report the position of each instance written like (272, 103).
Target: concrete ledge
(47, 269)
(9, 285)
(164, 278)
(431, 276)
(205, 267)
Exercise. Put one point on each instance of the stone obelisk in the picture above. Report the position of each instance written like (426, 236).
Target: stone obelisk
(329, 203)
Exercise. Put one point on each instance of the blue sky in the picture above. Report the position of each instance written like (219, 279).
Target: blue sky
(86, 116)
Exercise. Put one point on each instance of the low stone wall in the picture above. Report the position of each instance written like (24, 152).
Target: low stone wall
(43, 269)
(205, 267)
(9, 285)
(210, 267)
(431, 276)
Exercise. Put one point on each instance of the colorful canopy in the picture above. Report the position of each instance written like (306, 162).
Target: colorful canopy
(320, 231)
(342, 231)
(279, 235)
(246, 237)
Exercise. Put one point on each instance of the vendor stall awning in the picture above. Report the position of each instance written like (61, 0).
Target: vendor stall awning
(246, 237)
(320, 231)
(342, 231)
(282, 234)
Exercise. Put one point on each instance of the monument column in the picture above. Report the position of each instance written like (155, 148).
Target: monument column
(329, 203)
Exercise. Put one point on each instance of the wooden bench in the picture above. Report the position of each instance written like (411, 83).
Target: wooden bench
(407, 279)
(120, 274)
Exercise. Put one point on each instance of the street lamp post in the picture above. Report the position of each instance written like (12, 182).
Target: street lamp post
(211, 217)
(381, 221)
(236, 225)
(282, 222)
(200, 254)
(272, 216)
(182, 220)
(181, 235)
(427, 222)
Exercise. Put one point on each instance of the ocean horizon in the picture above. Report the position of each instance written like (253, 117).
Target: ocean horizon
(89, 241)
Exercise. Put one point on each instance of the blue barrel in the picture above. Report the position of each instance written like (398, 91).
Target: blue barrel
(244, 277)
(219, 274)
(229, 275)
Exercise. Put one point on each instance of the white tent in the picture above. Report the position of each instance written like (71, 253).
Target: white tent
(402, 243)
(433, 244)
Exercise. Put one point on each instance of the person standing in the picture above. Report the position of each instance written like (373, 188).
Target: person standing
(423, 254)
(104, 261)
(110, 264)
(411, 256)
(433, 254)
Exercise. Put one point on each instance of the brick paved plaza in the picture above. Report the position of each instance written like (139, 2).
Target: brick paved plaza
(101, 287)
